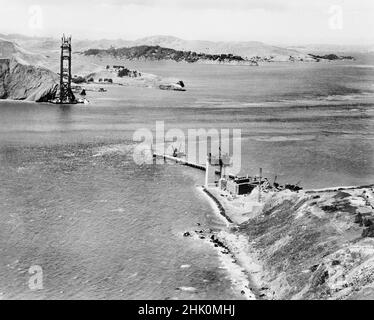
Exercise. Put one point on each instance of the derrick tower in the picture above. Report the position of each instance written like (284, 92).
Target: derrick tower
(66, 95)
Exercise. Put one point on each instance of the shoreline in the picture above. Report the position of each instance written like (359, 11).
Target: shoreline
(221, 210)
(263, 279)
(231, 252)
(336, 189)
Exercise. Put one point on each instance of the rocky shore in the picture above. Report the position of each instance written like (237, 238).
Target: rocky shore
(300, 245)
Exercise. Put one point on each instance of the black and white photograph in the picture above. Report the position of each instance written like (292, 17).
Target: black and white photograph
(187, 150)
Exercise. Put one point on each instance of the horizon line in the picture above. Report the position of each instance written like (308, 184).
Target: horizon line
(275, 43)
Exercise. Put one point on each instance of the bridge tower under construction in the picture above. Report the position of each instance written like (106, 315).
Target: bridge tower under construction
(66, 94)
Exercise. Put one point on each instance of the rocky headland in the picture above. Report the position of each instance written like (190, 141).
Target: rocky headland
(20, 81)
(316, 244)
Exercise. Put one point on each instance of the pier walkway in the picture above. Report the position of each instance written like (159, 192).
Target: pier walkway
(181, 161)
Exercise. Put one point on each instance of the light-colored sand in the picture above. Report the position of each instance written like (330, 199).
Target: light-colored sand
(242, 208)
(237, 274)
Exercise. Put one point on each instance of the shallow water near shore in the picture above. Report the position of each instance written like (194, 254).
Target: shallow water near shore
(73, 201)
(80, 213)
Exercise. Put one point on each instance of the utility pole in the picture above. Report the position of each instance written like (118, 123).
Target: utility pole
(208, 162)
(220, 160)
(259, 186)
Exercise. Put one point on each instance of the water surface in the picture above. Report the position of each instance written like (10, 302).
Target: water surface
(73, 201)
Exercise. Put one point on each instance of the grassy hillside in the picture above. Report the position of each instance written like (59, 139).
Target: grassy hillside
(316, 245)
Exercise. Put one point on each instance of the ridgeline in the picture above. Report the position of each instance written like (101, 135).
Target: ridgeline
(159, 53)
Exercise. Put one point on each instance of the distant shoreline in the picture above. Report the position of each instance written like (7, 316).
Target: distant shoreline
(158, 53)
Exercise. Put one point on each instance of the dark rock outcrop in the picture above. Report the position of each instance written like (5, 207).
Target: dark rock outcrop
(20, 81)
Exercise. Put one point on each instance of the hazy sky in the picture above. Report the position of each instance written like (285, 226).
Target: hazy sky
(272, 21)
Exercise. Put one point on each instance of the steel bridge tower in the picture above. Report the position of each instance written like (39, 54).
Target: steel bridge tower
(66, 94)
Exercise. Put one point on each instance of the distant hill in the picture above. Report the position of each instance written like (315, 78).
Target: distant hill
(9, 49)
(17, 36)
(245, 49)
(328, 48)
(145, 52)
(157, 52)
(21, 75)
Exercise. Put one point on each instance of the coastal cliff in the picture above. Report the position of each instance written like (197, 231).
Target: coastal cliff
(303, 245)
(19, 81)
(316, 245)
